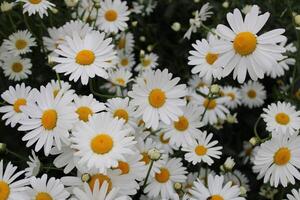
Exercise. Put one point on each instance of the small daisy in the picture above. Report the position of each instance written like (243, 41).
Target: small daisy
(34, 165)
(17, 68)
(17, 97)
(237, 178)
(196, 82)
(149, 61)
(253, 94)
(101, 142)
(163, 142)
(247, 153)
(19, 43)
(113, 15)
(56, 37)
(9, 187)
(234, 96)
(43, 189)
(36, 6)
(59, 87)
(125, 42)
(294, 196)
(202, 149)
(243, 51)
(77, 26)
(126, 60)
(161, 184)
(120, 77)
(215, 190)
(158, 98)
(277, 160)
(85, 57)
(50, 120)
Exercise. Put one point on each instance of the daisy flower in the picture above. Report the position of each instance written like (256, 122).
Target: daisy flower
(277, 160)
(185, 129)
(113, 15)
(56, 37)
(36, 6)
(158, 98)
(50, 119)
(234, 96)
(202, 149)
(42, 188)
(253, 94)
(9, 187)
(34, 165)
(19, 43)
(196, 82)
(16, 68)
(149, 61)
(294, 196)
(242, 51)
(17, 97)
(120, 77)
(247, 153)
(83, 57)
(77, 26)
(163, 142)
(237, 178)
(161, 184)
(59, 87)
(102, 142)
(125, 42)
(87, 10)
(126, 60)
(215, 190)
(203, 58)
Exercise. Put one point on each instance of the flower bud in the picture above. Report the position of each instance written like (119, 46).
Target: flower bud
(225, 4)
(6, 6)
(176, 26)
(215, 89)
(134, 23)
(2, 147)
(228, 164)
(142, 38)
(297, 19)
(86, 177)
(177, 186)
(243, 191)
(71, 3)
(253, 141)
(154, 154)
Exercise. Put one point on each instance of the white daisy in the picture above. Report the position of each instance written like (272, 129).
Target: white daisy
(17, 97)
(163, 142)
(158, 98)
(294, 196)
(59, 86)
(36, 6)
(126, 60)
(87, 10)
(85, 57)
(77, 26)
(120, 77)
(19, 43)
(253, 94)
(49, 120)
(202, 149)
(102, 141)
(113, 15)
(34, 165)
(17, 68)
(195, 82)
(247, 153)
(277, 160)
(243, 51)
(234, 96)
(56, 37)
(237, 178)
(149, 61)
(125, 42)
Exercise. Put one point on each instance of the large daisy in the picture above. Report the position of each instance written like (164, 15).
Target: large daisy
(17, 68)
(36, 6)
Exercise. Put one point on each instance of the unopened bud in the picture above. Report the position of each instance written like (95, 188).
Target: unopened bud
(225, 4)
(154, 154)
(176, 26)
(215, 88)
(243, 191)
(6, 6)
(229, 164)
(253, 141)
(297, 19)
(2, 147)
(134, 23)
(149, 48)
(142, 38)
(71, 3)
(177, 186)
(86, 177)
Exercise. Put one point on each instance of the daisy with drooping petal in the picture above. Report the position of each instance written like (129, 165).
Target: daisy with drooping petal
(59, 86)
(17, 97)
(242, 51)
(277, 160)
(282, 117)
(215, 190)
(50, 119)
(237, 178)
(113, 15)
(56, 37)
(294, 196)
(253, 94)
(125, 42)
(85, 57)
(19, 43)
(158, 98)
(36, 6)
(16, 68)
(102, 142)
(34, 165)
(234, 96)
(202, 149)
(149, 61)
(126, 61)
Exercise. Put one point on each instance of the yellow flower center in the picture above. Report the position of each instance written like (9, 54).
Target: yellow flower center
(162, 140)
(17, 67)
(124, 167)
(84, 112)
(182, 124)
(211, 58)
(200, 150)
(120, 81)
(101, 178)
(163, 176)
(18, 103)
(146, 62)
(244, 43)
(49, 119)
(282, 118)
(43, 196)
(102, 144)
(209, 104)
(157, 98)
(85, 57)
(122, 43)
(215, 197)
(251, 94)
(121, 114)
(111, 15)
(124, 62)
(35, 1)
(4, 190)
(21, 44)
(231, 95)
(145, 158)
(282, 156)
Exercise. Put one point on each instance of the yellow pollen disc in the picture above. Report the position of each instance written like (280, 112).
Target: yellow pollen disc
(17, 67)
(209, 104)
(163, 140)
(55, 92)
(182, 124)
(124, 62)
(43, 196)
(244, 43)
(120, 81)
(122, 43)
(282, 118)
(211, 58)
(111, 15)
(84, 112)
(200, 150)
(124, 167)
(157, 98)
(101, 178)
(121, 114)
(102, 144)
(35, 1)
(146, 62)
(282, 156)
(85, 57)
(215, 197)
(251, 94)
(21, 44)
(231, 95)
(4, 190)
(18, 103)
(145, 158)
(49, 119)
(163, 176)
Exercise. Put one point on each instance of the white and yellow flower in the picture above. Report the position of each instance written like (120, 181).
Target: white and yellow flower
(36, 6)
(16, 68)
(253, 94)
(34, 165)
(234, 96)
(149, 61)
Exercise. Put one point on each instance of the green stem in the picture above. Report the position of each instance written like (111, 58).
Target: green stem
(16, 155)
(11, 21)
(98, 94)
(255, 129)
(148, 174)
(58, 79)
